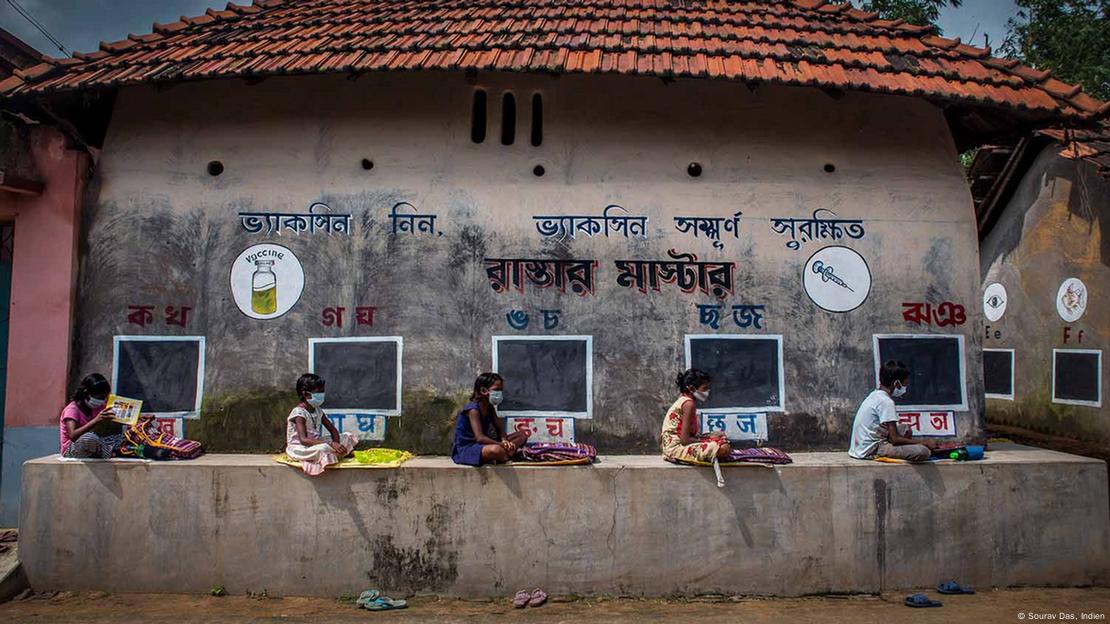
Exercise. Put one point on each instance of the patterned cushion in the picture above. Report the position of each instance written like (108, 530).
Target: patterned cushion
(759, 454)
(555, 451)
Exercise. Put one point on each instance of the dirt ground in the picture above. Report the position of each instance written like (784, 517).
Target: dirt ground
(1008, 605)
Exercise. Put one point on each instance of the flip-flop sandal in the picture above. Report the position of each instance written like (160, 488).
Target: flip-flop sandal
(520, 600)
(381, 603)
(920, 601)
(367, 596)
(952, 587)
(537, 598)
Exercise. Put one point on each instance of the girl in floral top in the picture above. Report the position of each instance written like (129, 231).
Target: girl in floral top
(681, 441)
(305, 427)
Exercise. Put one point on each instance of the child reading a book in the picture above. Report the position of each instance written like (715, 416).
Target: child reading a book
(875, 431)
(82, 434)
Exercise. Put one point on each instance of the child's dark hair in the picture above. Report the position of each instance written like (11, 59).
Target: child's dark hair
(691, 379)
(93, 385)
(893, 371)
(309, 382)
(484, 381)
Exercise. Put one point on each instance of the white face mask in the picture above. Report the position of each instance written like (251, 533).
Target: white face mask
(94, 402)
(899, 391)
(496, 396)
(701, 396)
(315, 399)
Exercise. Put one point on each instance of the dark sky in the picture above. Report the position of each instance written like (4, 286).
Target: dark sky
(82, 24)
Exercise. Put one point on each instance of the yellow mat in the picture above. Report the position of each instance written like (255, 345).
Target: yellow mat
(372, 458)
(895, 460)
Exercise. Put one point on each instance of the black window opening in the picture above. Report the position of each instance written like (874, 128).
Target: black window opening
(537, 120)
(508, 118)
(478, 117)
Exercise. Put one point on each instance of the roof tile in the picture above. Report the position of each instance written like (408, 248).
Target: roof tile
(809, 42)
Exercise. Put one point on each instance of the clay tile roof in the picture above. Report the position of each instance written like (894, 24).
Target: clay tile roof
(1091, 145)
(799, 42)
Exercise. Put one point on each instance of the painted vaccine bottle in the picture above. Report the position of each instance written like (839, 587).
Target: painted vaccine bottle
(264, 288)
(266, 281)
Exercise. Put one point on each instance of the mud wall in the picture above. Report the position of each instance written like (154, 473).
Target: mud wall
(1051, 232)
(163, 233)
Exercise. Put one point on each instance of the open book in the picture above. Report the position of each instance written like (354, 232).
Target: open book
(127, 410)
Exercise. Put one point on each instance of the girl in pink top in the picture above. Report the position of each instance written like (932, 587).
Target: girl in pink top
(82, 415)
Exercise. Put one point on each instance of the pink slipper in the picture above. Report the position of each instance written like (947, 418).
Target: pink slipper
(538, 598)
(520, 600)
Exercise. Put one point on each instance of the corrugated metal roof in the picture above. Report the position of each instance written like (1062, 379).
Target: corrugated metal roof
(798, 42)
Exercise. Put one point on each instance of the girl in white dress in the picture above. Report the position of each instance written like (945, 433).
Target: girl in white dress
(305, 426)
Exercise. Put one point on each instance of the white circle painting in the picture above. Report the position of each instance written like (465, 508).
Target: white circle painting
(266, 281)
(837, 279)
(994, 301)
(1071, 299)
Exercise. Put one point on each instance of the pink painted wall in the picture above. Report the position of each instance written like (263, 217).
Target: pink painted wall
(43, 276)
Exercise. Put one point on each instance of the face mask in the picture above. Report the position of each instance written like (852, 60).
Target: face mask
(701, 396)
(315, 399)
(899, 391)
(94, 402)
(496, 396)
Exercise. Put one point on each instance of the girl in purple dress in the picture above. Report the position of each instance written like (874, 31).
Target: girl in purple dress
(479, 435)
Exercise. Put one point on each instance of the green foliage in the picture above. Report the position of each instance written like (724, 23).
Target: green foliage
(967, 158)
(1069, 37)
(219, 591)
(919, 12)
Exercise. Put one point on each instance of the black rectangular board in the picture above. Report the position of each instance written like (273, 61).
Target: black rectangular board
(162, 373)
(745, 371)
(550, 376)
(1077, 376)
(936, 369)
(998, 373)
(359, 375)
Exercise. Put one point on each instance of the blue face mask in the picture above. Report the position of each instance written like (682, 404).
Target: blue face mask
(94, 402)
(315, 399)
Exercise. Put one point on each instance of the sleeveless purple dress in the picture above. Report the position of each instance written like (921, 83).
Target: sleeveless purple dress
(467, 450)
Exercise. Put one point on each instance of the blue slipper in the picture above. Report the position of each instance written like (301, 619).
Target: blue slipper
(952, 587)
(381, 603)
(367, 596)
(920, 601)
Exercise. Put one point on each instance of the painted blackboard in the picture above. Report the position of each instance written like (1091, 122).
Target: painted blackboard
(362, 375)
(746, 370)
(936, 363)
(166, 372)
(545, 376)
(1077, 377)
(998, 373)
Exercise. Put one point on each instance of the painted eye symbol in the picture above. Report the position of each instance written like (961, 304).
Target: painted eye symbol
(995, 301)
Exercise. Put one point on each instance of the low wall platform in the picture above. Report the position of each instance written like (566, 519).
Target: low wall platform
(629, 525)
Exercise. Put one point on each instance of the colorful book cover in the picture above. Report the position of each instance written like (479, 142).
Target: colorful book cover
(127, 410)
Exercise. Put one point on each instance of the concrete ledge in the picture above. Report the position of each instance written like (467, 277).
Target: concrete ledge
(631, 525)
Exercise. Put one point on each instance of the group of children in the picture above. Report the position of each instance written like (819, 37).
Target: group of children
(480, 437)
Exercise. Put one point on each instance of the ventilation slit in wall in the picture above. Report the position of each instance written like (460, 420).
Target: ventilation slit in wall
(537, 119)
(478, 117)
(508, 118)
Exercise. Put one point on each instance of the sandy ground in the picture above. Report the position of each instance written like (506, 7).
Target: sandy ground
(987, 606)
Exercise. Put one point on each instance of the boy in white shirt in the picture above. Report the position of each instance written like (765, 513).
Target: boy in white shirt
(875, 430)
